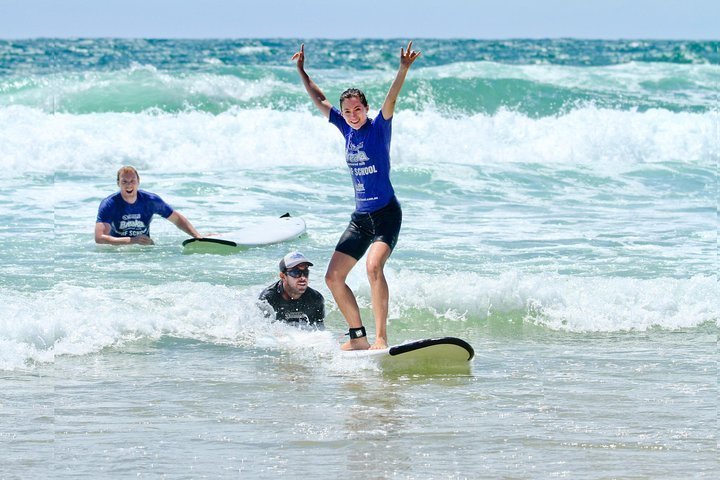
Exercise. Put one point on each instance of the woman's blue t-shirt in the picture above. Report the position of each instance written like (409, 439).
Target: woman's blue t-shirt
(367, 153)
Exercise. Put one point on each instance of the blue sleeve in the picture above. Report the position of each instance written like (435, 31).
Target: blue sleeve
(105, 211)
(159, 206)
(384, 126)
(337, 119)
(163, 209)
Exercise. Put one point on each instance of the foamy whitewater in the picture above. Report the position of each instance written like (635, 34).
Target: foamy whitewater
(559, 213)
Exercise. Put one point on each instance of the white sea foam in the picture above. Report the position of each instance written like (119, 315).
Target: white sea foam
(576, 304)
(32, 330)
(253, 50)
(608, 140)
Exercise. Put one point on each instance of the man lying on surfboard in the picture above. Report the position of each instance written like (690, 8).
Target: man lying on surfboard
(375, 224)
(124, 217)
(290, 298)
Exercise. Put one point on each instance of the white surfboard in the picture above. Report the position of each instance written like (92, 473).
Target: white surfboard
(431, 355)
(261, 232)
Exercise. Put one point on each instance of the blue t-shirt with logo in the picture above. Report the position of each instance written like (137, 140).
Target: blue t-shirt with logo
(132, 219)
(367, 153)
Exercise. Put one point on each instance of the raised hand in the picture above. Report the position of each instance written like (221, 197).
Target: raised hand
(316, 95)
(299, 57)
(407, 57)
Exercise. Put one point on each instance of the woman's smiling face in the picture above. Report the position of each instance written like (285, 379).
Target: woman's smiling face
(354, 112)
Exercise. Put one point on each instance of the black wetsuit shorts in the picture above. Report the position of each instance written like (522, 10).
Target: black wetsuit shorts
(365, 228)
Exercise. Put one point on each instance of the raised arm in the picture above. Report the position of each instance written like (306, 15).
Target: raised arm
(407, 57)
(316, 95)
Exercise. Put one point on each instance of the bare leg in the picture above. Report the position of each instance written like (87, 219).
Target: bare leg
(377, 256)
(337, 272)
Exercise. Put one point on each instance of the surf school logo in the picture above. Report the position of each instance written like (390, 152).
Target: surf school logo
(132, 222)
(355, 154)
(361, 171)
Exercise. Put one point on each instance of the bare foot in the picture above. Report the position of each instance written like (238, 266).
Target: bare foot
(356, 344)
(380, 344)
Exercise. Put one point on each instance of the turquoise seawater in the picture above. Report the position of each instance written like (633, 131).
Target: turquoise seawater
(560, 214)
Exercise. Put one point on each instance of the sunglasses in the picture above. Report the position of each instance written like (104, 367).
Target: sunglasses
(297, 273)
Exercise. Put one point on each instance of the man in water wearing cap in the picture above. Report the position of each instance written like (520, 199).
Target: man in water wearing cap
(291, 299)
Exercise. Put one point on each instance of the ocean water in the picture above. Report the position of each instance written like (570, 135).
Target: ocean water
(560, 214)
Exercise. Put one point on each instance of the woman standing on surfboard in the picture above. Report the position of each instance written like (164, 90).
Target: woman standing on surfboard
(375, 224)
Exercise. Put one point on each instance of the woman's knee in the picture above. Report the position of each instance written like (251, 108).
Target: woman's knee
(330, 279)
(334, 279)
(375, 270)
